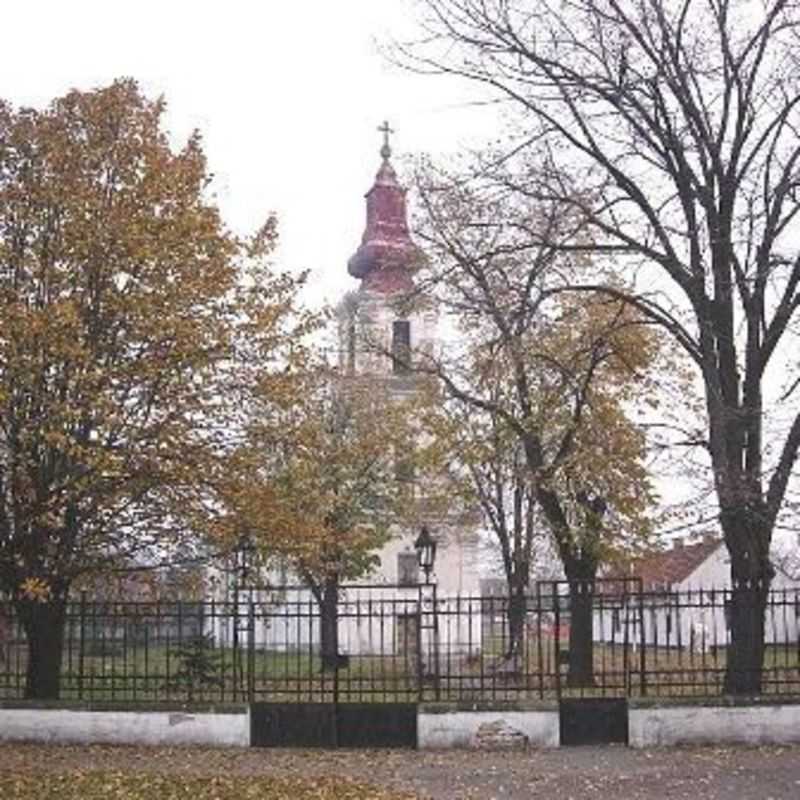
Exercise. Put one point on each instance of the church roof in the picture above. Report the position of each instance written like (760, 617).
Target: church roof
(387, 256)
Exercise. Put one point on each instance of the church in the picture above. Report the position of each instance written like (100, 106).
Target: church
(379, 334)
(383, 324)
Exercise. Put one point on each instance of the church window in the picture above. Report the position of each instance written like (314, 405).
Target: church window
(404, 466)
(616, 622)
(401, 347)
(407, 568)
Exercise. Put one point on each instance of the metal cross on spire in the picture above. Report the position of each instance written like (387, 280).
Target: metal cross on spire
(386, 150)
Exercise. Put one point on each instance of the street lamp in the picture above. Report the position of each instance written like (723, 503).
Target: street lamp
(243, 554)
(425, 545)
(243, 557)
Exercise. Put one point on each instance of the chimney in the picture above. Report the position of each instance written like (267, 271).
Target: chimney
(677, 543)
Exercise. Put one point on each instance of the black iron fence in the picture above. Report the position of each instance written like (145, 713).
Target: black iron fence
(406, 644)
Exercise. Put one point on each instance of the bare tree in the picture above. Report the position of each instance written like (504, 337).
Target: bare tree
(678, 121)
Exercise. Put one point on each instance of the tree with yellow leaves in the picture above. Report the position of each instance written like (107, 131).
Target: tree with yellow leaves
(325, 491)
(540, 385)
(122, 300)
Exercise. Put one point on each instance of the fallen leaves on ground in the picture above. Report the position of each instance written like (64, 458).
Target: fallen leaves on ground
(144, 786)
(582, 773)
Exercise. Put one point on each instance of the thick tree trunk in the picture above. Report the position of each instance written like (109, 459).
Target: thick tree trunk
(329, 627)
(748, 541)
(578, 551)
(580, 672)
(43, 623)
(745, 663)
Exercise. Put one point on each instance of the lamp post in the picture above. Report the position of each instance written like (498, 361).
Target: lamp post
(425, 545)
(243, 557)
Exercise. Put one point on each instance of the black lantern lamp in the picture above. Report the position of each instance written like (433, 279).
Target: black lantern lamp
(244, 553)
(425, 545)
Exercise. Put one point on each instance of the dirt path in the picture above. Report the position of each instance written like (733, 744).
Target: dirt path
(616, 773)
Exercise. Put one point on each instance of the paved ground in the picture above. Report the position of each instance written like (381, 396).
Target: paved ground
(616, 773)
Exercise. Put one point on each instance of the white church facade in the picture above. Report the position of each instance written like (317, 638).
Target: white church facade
(382, 323)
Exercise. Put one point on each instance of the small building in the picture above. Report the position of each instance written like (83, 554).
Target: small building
(685, 601)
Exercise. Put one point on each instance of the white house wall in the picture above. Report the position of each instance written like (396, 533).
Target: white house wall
(692, 614)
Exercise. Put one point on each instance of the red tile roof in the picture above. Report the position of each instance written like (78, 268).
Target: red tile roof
(674, 565)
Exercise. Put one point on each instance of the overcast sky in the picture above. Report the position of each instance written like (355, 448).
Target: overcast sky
(287, 94)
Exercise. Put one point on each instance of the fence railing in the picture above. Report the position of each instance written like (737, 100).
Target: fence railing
(404, 644)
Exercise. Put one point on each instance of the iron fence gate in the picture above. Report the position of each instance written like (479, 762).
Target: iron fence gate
(407, 645)
(353, 725)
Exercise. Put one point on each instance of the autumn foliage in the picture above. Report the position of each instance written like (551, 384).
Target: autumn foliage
(540, 386)
(123, 300)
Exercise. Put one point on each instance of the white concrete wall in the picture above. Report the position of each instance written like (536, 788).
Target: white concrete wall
(460, 729)
(665, 726)
(125, 727)
(656, 726)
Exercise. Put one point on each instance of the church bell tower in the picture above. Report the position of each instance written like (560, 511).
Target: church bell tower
(385, 324)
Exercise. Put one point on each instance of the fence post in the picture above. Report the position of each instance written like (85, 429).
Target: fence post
(624, 613)
(642, 638)
(557, 647)
(81, 643)
(539, 642)
(251, 652)
(418, 634)
(435, 622)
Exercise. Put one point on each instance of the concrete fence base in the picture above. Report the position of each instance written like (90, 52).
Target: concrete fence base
(439, 726)
(758, 723)
(490, 729)
(125, 727)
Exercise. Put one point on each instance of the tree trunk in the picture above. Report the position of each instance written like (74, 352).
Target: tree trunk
(515, 613)
(43, 623)
(751, 574)
(745, 663)
(578, 549)
(329, 626)
(581, 643)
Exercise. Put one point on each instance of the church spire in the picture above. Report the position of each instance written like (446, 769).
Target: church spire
(387, 257)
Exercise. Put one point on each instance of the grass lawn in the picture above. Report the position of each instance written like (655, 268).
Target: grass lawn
(144, 786)
(142, 675)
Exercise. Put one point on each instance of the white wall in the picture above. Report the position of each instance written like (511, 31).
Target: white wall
(697, 622)
(659, 727)
(125, 727)
(462, 729)
(374, 620)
